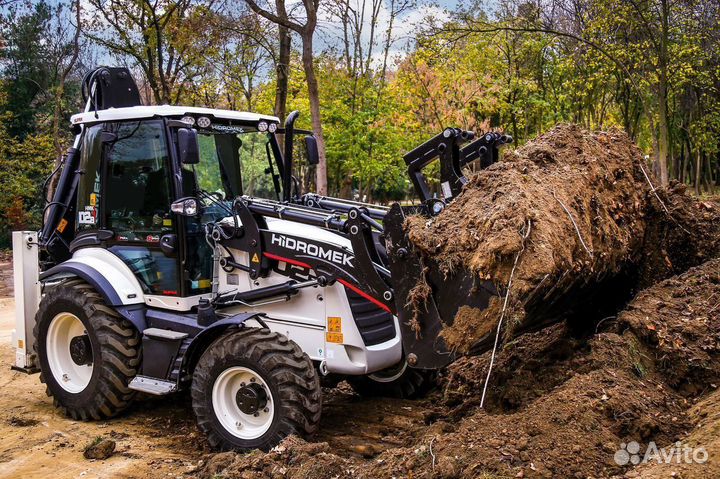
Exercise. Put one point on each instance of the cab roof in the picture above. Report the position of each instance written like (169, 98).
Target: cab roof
(139, 112)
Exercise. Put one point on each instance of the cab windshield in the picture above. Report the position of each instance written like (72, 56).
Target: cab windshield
(234, 161)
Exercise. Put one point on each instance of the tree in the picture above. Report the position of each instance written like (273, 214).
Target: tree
(36, 62)
(306, 31)
(165, 38)
(65, 71)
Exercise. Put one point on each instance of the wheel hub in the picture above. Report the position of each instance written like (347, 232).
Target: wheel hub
(251, 398)
(81, 350)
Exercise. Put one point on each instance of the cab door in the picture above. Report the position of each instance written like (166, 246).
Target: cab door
(134, 202)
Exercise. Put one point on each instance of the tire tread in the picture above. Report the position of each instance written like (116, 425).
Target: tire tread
(120, 352)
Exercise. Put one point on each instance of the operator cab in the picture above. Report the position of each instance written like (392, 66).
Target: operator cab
(139, 160)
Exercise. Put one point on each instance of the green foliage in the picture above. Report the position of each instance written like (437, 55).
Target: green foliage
(36, 41)
(24, 165)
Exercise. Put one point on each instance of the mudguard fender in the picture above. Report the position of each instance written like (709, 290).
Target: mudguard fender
(110, 277)
(205, 337)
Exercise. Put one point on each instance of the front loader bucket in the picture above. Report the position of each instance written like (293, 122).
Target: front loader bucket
(423, 319)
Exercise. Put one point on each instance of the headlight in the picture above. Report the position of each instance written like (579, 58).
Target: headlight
(188, 120)
(203, 122)
(263, 126)
(272, 127)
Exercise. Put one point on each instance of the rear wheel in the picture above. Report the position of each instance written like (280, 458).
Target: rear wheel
(399, 381)
(87, 352)
(253, 387)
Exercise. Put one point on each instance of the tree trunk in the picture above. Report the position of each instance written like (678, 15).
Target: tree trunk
(314, 96)
(663, 135)
(57, 111)
(698, 174)
(663, 127)
(283, 66)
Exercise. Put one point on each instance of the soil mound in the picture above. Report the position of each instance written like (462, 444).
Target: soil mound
(293, 457)
(679, 322)
(572, 216)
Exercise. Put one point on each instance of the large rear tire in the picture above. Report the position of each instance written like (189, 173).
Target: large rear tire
(87, 352)
(399, 381)
(253, 387)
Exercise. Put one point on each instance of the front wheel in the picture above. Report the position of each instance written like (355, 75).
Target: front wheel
(399, 381)
(253, 387)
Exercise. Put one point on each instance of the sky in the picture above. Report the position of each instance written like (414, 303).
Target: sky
(329, 32)
(404, 28)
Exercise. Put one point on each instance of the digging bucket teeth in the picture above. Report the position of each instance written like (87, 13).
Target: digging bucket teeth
(423, 319)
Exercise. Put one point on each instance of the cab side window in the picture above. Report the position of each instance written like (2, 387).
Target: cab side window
(137, 196)
(88, 195)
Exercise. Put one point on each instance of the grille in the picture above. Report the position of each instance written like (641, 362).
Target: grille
(376, 325)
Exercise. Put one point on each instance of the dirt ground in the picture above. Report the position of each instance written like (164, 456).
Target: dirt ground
(155, 439)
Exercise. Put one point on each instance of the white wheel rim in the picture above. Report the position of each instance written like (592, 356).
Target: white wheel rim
(236, 422)
(72, 377)
(388, 376)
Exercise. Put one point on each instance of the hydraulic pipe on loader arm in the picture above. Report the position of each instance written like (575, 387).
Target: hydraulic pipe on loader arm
(287, 168)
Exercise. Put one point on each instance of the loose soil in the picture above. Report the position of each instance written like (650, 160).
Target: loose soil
(574, 217)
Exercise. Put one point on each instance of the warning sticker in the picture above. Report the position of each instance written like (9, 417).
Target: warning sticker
(63, 224)
(255, 258)
(93, 199)
(334, 337)
(447, 192)
(334, 324)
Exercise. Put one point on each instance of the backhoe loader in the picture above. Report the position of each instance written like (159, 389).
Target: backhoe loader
(178, 252)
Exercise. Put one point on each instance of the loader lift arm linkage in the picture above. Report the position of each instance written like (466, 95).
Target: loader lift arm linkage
(360, 270)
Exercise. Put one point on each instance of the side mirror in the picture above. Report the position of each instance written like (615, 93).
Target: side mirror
(188, 149)
(185, 207)
(313, 157)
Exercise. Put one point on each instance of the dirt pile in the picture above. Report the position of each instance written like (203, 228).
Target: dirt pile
(679, 321)
(572, 217)
(682, 231)
(558, 406)
(292, 458)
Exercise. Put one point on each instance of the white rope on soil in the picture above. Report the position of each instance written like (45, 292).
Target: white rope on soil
(577, 230)
(524, 235)
(652, 188)
(432, 454)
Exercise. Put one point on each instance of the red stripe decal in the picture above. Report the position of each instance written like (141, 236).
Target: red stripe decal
(341, 281)
(287, 260)
(365, 295)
